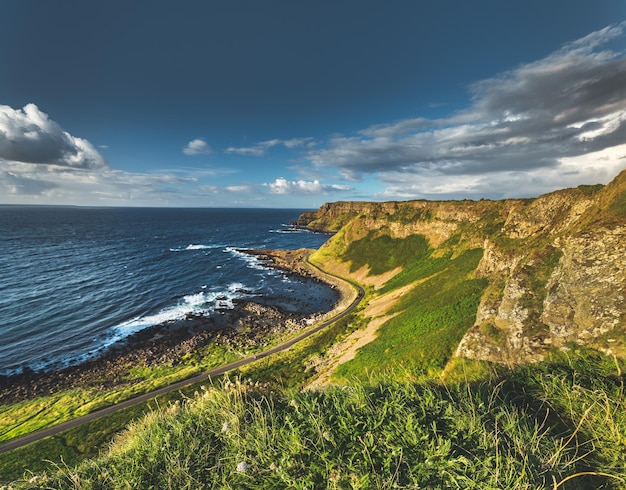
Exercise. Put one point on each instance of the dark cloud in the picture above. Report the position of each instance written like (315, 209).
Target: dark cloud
(27, 135)
(261, 149)
(569, 104)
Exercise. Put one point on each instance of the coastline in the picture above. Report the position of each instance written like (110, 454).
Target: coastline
(249, 325)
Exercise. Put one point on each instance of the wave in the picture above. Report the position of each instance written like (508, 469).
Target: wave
(120, 274)
(193, 246)
(285, 230)
(291, 230)
(251, 261)
(201, 303)
(288, 229)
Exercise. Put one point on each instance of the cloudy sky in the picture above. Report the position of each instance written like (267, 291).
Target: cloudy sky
(292, 104)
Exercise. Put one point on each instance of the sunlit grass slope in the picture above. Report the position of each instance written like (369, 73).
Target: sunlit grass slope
(429, 320)
(558, 425)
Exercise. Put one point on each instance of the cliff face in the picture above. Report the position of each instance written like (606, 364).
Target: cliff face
(556, 265)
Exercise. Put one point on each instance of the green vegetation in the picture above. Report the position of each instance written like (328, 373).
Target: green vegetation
(590, 190)
(405, 213)
(430, 322)
(25, 417)
(70, 447)
(558, 425)
(383, 253)
(288, 368)
(86, 441)
(618, 207)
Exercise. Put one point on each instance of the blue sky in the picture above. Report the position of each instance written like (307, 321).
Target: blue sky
(293, 104)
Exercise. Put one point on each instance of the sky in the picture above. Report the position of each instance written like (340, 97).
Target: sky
(290, 104)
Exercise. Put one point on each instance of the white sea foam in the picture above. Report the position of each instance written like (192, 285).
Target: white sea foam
(292, 229)
(236, 287)
(285, 231)
(193, 246)
(204, 302)
(251, 261)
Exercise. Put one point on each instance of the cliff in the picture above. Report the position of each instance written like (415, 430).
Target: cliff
(555, 266)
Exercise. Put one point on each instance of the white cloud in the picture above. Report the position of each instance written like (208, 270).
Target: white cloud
(596, 167)
(292, 143)
(284, 186)
(197, 147)
(248, 152)
(41, 163)
(27, 135)
(521, 127)
(238, 189)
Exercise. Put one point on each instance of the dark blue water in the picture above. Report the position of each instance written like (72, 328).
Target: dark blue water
(75, 280)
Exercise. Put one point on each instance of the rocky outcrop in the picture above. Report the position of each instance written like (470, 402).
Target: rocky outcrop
(556, 264)
(585, 296)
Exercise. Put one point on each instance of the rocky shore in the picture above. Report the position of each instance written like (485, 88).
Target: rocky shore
(251, 324)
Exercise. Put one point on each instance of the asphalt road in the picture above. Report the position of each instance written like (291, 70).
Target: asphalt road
(70, 424)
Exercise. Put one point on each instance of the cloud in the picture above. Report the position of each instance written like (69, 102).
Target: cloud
(261, 149)
(284, 186)
(42, 163)
(595, 167)
(197, 147)
(28, 136)
(25, 186)
(238, 189)
(248, 152)
(527, 120)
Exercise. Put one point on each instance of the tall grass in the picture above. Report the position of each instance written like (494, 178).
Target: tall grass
(17, 419)
(560, 425)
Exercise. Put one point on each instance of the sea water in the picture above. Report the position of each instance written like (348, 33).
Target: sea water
(74, 281)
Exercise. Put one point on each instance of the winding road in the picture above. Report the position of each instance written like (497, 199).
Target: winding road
(56, 429)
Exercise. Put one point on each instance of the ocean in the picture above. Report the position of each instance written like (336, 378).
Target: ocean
(74, 281)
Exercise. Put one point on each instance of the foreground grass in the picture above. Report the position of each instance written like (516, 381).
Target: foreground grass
(558, 425)
(70, 447)
(30, 415)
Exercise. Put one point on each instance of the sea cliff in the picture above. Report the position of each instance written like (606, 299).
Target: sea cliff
(554, 266)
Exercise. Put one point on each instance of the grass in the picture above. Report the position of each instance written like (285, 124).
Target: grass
(28, 416)
(383, 253)
(432, 318)
(86, 441)
(288, 369)
(284, 369)
(561, 424)
(72, 446)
